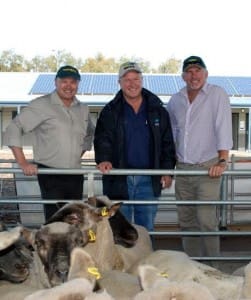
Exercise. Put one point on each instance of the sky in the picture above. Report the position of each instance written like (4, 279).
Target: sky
(154, 30)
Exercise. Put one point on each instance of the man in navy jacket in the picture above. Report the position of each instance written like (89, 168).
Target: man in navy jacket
(133, 131)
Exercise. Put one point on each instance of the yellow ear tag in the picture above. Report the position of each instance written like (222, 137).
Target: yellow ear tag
(92, 235)
(163, 274)
(94, 271)
(104, 212)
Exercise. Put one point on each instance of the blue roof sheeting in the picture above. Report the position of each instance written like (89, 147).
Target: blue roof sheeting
(43, 85)
(242, 84)
(104, 84)
(160, 84)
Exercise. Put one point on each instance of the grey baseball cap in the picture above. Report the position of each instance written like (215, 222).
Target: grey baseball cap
(128, 66)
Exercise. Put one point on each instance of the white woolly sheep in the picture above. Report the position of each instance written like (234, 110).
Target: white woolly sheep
(180, 267)
(156, 286)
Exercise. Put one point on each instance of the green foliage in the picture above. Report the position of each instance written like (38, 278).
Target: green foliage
(13, 62)
(172, 65)
(9, 61)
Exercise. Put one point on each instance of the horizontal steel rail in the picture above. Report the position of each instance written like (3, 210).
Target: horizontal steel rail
(95, 171)
(34, 200)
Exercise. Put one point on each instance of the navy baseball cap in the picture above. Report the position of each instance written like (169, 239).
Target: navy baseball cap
(193, 61)
(68, 71)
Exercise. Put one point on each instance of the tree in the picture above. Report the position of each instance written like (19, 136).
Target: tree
(144, 65)
(62, 57)
(172, 65)
(37, 64)
(100, 64)
(11, 62)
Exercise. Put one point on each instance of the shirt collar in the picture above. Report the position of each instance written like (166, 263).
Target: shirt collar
(56, 99)
(204, 89)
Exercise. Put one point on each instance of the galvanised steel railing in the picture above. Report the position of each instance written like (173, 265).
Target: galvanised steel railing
(91, 172)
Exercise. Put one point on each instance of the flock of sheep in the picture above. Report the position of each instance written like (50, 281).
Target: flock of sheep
(88, 250)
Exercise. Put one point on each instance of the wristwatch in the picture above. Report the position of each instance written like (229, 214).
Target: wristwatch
(222, 161)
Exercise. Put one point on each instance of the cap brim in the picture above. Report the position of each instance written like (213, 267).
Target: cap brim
(69, 76)
(129, 70)
(193, 66)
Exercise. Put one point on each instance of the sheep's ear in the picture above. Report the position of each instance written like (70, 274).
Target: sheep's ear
(63, 212)
(7, 238)
(92, 201)
(60, 204)
(114, 208)
(108, 211)
(82, 266)
(29, 236)
(150, 276)
(100, 201)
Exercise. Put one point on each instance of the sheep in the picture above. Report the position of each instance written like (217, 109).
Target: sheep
(81, 281)
(53, 244)
(180, 267)
(82, 214)
(246, 291)
(156, 286)
(117, 246)
(68, 238)
(120, 285)
(15, 257)
(141, 249)
(110, 256)
(7, 238)
(49, 236)
(124, 232)
(87, 214)
(132, 241)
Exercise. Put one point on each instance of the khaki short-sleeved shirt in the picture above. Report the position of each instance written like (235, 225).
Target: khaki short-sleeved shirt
(61, 133)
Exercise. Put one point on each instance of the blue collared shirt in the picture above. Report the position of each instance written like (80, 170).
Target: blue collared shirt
(202, 127)
(137, 137)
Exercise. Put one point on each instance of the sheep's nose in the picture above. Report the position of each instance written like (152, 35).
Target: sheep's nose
(62, 274)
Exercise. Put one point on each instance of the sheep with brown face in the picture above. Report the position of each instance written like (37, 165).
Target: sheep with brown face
(82, 214)
(67, 229)
(81, 281)
(87, 214)
(53, 243)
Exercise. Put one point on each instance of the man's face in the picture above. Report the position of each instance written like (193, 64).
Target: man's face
(131, 84)
(195, 77)
(66, 88)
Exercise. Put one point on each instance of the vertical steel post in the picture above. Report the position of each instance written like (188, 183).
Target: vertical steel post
(223, 197)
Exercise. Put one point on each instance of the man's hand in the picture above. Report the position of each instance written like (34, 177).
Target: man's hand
(217, 170)
(29, 169)
(166, 181)
(104, 167)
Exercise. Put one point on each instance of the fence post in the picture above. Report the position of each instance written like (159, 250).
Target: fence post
(90, 184)
(224, 197)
